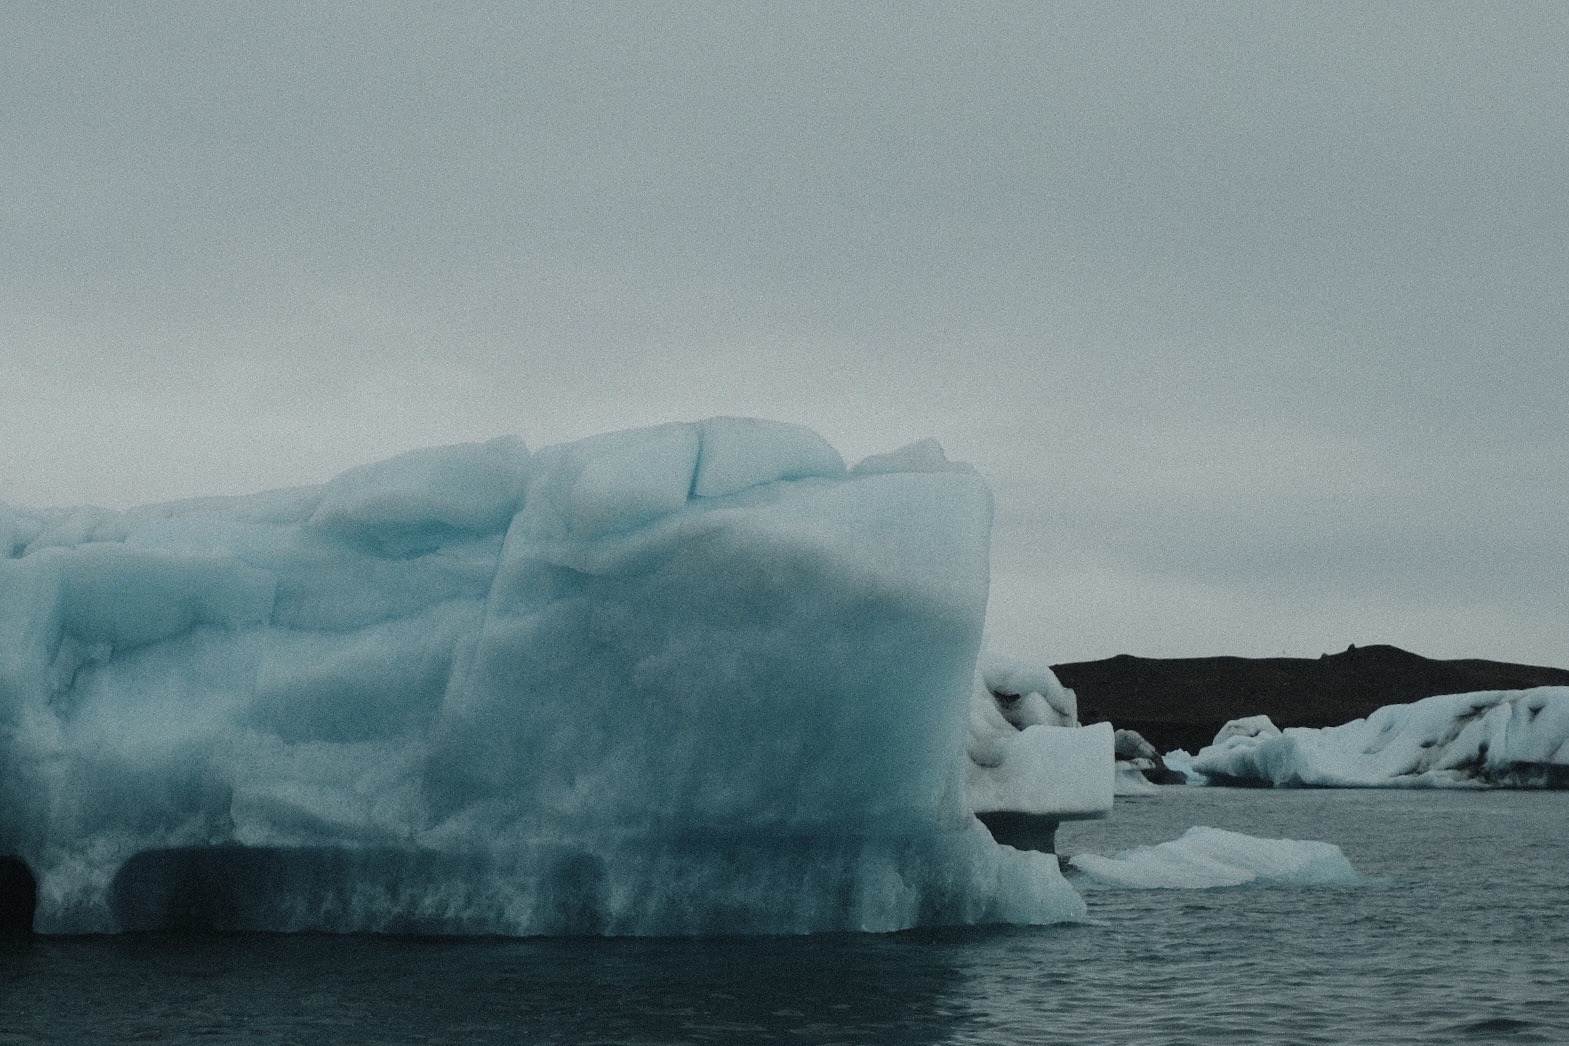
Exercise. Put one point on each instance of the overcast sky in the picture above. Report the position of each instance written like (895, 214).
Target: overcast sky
(1255, 316)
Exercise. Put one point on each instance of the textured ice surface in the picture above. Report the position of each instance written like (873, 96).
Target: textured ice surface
(1248, 726)
(1510, 738)
(1203, 858)
(1182, 762)
(1028, 753)
(1130, 780)
(1140, 768)
(694, 678)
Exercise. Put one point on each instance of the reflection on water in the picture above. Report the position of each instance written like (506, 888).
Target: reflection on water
(839, 988)
(1460, 935)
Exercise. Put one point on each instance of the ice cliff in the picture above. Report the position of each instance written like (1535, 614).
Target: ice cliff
(693, 678)
(1497, 738)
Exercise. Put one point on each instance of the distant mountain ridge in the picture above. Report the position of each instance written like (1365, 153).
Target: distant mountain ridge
(1182, 702)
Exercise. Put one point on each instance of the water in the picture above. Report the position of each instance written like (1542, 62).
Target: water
(1461, 935)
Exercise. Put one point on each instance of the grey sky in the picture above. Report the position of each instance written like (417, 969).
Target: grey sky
(1254, 315)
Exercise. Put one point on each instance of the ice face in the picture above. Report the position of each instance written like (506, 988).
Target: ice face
(695, 678)
(1510, 738)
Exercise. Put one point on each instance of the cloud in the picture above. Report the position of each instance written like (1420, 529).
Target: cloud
(1249, 306)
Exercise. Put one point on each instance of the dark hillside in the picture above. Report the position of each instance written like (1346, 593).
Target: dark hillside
(1182, 702)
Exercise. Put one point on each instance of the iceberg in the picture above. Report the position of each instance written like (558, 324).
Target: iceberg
(1206, 858)
(1490, 739)
(687, 679)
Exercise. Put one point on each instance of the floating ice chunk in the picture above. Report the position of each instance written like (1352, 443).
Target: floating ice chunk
(1181, 761)
(1203, 858)
(1131, 745)
(1510, 738)
(1130, 780)
(1052, 771)
(1136, 754)
(1028, 754)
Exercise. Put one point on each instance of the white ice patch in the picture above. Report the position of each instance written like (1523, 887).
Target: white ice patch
(1514, 738)
(1205, 858)
(1182, 762)
(1053, 771)
(1028, 753)
(1131, 780)
(1248, 726)
(1038, 696)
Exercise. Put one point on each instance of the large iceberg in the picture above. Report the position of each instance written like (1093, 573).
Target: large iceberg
(1496, 738)
(693, 678)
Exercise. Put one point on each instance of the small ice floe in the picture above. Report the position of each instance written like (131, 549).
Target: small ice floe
(1131, 780)
(1204, 858)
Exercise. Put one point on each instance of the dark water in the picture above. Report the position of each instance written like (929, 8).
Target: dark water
(1461, 935)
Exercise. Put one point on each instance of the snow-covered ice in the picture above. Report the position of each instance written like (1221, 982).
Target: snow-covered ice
(1140, 767)
(1181, 761)
(1248, 726)
(693, 678)
(1130, 780)
(1496, 738)
(1204, 858)
(1028, 753)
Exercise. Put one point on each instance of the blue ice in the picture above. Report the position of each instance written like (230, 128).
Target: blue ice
(688, 679)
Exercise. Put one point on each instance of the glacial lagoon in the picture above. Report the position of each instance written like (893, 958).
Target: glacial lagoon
(1454, 935)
